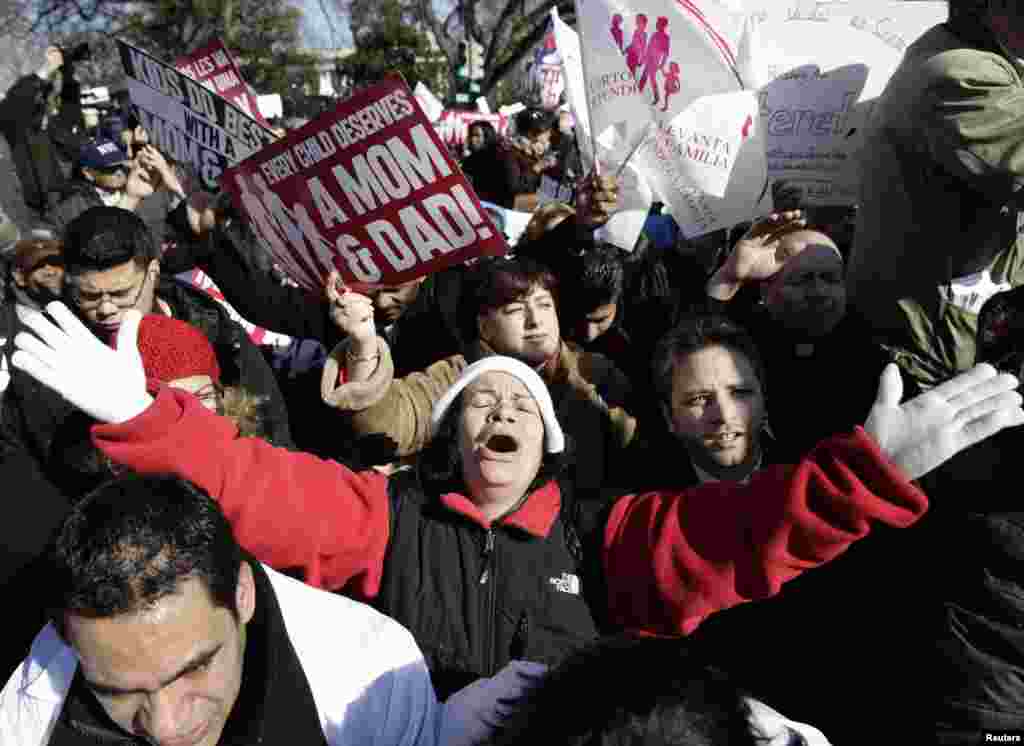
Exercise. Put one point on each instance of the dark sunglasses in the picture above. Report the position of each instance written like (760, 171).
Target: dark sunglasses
(121, 168)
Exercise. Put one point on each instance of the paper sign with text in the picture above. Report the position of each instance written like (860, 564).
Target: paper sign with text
(215, 68)
(819, 66)
(188, 122)
(368, 189)
(708, 163)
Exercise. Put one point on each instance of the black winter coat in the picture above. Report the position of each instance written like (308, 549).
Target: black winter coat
(463, 593)
(41, 150)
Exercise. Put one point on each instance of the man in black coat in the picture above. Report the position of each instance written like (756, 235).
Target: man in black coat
(42, 145)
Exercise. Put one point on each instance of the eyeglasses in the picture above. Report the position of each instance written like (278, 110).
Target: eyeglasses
(87, 300)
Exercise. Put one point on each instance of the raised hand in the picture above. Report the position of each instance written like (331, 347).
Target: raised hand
(107, 384)
(597, 197)
(157, 166)
(928, 430)
(758, 255)
(351, 312)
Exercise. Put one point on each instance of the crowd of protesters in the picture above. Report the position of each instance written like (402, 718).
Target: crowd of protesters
(751, 488)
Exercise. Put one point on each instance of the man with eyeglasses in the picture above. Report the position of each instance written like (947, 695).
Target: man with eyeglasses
(111, 267)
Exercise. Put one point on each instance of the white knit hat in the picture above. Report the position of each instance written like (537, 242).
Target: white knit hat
(553, 436)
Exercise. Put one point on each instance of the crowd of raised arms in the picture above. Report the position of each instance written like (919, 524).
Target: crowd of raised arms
(756, 487)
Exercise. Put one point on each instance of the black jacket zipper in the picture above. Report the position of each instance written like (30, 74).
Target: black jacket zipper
(489, 568)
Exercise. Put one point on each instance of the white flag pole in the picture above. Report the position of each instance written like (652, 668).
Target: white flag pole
(586, 82)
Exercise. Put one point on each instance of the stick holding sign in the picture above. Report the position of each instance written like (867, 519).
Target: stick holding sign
(368, 189)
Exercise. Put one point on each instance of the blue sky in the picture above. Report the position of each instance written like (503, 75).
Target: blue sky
(316, 31)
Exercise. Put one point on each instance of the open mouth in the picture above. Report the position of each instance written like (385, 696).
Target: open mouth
(502, 443)
(723, 439)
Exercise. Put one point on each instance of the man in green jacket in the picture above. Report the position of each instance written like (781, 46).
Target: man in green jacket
(942, 169)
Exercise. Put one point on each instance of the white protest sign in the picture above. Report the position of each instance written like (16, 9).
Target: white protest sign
(819, 66)
(644, 55)
(708, 164)
(430, 104)
(568, 43)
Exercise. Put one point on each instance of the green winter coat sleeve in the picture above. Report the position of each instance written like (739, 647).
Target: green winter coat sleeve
(973, 120)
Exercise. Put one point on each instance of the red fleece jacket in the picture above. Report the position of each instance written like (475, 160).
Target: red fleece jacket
(670, 558)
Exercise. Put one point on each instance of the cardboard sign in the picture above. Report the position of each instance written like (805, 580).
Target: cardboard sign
(368, 189)
(453, 126)
(190, 123)
(215, 68)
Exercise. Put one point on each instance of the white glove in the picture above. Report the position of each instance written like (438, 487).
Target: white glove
(5, 372)
(935, 426)
(108, 385)
(472, 714)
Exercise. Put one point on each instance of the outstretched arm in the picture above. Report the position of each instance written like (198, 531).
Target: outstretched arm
(672, 559)
(290, 510)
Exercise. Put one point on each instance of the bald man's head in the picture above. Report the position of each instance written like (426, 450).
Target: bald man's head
(808, 295)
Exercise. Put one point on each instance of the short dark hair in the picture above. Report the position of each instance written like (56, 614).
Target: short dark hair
(694, 333)
(595, 278)
(670, 697)
(490, 134)
(133, 541)
(104, 237)
(498, 281)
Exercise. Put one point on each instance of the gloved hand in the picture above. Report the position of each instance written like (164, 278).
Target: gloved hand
(472, 714)
(925, 432)
(107, 384)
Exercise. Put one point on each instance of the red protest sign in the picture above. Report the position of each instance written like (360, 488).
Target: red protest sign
(453, 125)
(368, 189)
(215, 68)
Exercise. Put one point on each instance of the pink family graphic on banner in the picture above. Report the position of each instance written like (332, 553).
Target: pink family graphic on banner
(649, 56)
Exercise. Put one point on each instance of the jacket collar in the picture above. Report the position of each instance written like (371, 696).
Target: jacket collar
(556, 370)
(275, 698)
(535, 515)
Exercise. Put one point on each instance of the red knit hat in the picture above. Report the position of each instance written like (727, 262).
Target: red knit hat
(172, 349)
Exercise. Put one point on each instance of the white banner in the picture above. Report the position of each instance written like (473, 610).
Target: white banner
(430, 103)
(819, 66)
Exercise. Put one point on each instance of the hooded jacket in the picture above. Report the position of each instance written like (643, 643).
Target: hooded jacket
(941, 172)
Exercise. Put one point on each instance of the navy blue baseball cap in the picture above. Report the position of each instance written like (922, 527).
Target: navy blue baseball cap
(101, 155)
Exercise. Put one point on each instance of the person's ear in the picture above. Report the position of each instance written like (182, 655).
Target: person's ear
(19, 278)
(89, 175)
(154, 269)
(245, 593)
